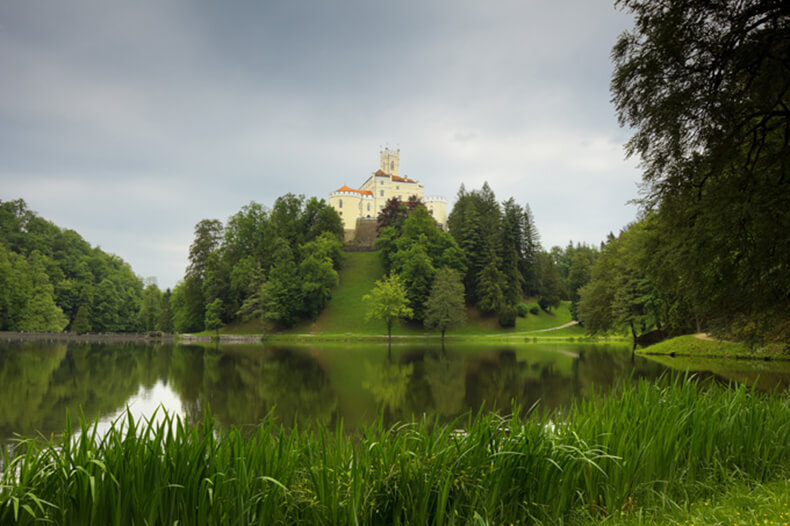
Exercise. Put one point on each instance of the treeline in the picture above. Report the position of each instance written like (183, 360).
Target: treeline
(495, 248)
(51, 279)
(277, 265)
(712, 249)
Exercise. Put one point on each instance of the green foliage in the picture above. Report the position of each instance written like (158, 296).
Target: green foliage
(267, 265)
(549, 282)
(165, 322)
(621, 294)
(445, 307)
(491, 285)
(81, 323)
(712, 132)
(213, 321)
(388, 302)
(507, 316)
(522, 309)
(318, 279)
(484, 229)
(645, 445)
(282, 294)
(535, 310)
(150, 308)
(48, 273)
(414, 248)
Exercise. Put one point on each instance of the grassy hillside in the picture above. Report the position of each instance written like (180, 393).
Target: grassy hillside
(345, 313)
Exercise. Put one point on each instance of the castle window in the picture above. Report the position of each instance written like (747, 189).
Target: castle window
(340, 204)
(368, 207)
(382, 193)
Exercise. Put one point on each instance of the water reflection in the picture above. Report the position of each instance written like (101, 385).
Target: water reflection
(300, 386)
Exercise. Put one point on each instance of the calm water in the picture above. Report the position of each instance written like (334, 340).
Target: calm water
(309, 384)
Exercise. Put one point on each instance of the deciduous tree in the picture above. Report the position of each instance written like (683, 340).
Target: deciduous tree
(388, 302)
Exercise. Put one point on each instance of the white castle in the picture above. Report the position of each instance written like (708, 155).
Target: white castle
(366, 202)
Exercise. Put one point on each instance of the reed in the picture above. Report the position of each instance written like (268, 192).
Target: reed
(647, 445)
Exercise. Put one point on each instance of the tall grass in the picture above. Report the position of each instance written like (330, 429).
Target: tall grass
(647, 445)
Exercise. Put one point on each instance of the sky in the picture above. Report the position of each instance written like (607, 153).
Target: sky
(129, 122)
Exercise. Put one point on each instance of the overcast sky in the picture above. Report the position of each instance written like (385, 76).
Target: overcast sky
(131, 121)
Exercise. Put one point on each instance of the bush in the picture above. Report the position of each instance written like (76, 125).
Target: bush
(507, 316)
(544, 304)
(534, 310)
(522, 309)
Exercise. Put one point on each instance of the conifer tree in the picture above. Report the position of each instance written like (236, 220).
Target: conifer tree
(491, 285)
(445, 307)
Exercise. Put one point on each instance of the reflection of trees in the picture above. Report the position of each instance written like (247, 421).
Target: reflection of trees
(601, 367)
(388, 382)
(243, 388)
(25, 376)
(40, 381)
(446, 378)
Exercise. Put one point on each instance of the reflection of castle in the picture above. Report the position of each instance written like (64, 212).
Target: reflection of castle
(358, 206)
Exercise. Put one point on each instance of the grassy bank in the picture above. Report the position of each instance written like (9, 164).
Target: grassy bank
(699, 347)
(344, 316)
(621, 456)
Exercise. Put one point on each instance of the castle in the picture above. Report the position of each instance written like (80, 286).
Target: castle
(358, 208)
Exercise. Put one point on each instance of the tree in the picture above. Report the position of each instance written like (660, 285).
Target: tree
(445, 307)
(549, 282)
(393, 214)
(388, 302)
(282, 294)
(165, 323)
(208, 234)
(417, 273)
(150, 308)
(213, 320)
(491, 285)
(706, 87)
(81, 323)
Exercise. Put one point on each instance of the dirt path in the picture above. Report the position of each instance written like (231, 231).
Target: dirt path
(709, 338)
(565, 326)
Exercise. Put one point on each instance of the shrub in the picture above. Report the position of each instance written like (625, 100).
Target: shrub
(544, 304)
(522, 309)
(507, 316)
(534, 310)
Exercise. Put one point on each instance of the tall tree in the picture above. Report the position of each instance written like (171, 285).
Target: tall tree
(208, 234)
(445, 307)
(705, 85)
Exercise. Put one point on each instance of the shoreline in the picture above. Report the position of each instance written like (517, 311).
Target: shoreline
(261, 339)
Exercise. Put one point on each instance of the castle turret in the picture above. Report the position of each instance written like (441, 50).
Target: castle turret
(390, 159)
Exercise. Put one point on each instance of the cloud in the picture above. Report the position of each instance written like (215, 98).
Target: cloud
(131, 122)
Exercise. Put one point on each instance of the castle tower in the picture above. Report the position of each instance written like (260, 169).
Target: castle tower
(390, 159)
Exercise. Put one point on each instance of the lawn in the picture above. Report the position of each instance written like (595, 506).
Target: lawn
(691, 345)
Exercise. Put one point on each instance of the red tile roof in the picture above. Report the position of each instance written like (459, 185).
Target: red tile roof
(402, 179)
(381, 173)
(345, 188)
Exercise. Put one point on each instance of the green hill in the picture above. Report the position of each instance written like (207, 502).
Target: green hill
(345, 313)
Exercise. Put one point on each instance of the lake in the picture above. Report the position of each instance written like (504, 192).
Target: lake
(326, 383)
